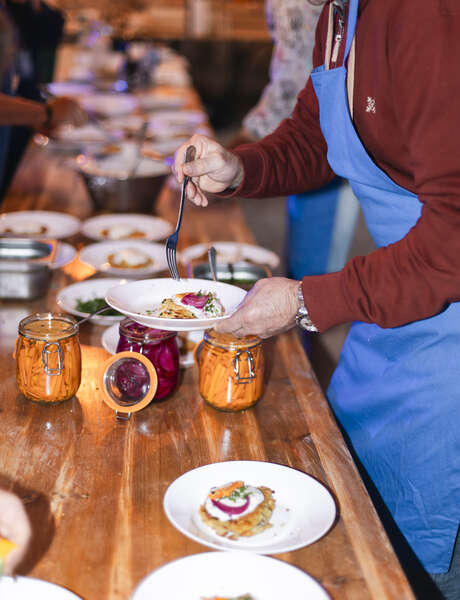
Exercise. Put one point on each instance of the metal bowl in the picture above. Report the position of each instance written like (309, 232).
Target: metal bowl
(242, 274)
(133, 194)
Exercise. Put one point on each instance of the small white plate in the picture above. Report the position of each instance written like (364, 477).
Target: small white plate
(111, 336)
(69, 88)
(96, 256)
(26, 588)
(229, 574)
(304, 509)
(135, 298)
(156, 101)
(152, 228)
(231, 252)
(110, 105)
(57, 225)
(65, 253)
(88, 290)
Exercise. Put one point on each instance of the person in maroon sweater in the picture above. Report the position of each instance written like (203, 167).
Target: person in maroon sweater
(403, 112)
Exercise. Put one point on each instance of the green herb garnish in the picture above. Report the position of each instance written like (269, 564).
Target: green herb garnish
(92, 306)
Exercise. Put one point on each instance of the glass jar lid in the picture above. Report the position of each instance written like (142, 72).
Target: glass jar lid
(48, 327)
(129, 382)
(231, 342)
(140, 333)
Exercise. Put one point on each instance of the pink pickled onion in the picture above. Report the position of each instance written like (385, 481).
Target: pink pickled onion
(231, 510)
(198, 301)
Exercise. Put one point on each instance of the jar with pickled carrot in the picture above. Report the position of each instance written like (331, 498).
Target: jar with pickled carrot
(48, 357)
(231, 370)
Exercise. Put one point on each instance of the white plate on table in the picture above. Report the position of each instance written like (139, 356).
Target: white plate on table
(55, 225)
(134, 299)
(111, 336)
(229, 574)
(157, 101)
(110, 105)
(121, 225)
(90, 289)
(28, 588)
(65, 253)
(96, 255)
(231, 252)
(69, 88)
(304, 509)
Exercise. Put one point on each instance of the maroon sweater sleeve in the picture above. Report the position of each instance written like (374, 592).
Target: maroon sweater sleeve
(407, 60)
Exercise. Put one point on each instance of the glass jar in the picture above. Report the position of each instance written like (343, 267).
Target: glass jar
(231, 370)
(159, 346)
(48, 357)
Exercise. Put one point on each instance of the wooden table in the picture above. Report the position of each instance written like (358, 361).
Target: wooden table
(93, 486)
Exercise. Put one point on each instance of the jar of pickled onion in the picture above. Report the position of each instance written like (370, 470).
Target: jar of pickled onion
(231, 370)
(48, 357)
(159, 346)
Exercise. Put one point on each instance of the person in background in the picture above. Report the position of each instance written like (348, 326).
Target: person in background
(39, 29)
(381, 109)
(15, 527)
(320, 223)
(31, 114)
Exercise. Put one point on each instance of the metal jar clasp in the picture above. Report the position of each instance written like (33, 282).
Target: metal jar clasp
(236, 366)
(47, 352)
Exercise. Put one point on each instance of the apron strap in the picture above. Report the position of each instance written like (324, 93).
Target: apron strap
(351, 26)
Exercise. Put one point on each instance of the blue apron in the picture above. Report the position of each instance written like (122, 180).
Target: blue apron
(396, 391)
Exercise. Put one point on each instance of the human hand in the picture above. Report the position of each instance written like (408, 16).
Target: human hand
(269, 308)
(14, 526)
(65, 110)
(213, 170)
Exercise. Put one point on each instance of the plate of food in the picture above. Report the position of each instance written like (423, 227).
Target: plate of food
(183, 305)
(250, 505)
(186, 340)
(85, 297)
(21, 588)
(229, 576)
(38, 224)
(125, 258)
(231, 252)
(126, 227)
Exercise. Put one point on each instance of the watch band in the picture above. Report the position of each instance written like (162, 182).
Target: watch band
(303, 319)
(49, 116)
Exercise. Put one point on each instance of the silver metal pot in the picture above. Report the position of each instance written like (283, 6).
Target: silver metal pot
(133, 194)
(24, 267)
(242, 274)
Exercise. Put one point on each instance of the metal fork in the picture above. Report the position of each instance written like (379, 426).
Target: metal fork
(171, 242)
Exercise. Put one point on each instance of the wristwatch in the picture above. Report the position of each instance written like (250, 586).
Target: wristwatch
(303, 318)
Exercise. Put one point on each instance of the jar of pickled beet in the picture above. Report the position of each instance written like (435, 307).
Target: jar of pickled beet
(159, 346)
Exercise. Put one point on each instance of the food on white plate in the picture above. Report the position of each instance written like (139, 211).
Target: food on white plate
(94, 305)
(188, 305)
(237, 509)
(26, 228)
(121, 231)
(129, 258)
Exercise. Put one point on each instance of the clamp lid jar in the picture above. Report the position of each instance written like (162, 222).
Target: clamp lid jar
(48, 357)
(231, 370)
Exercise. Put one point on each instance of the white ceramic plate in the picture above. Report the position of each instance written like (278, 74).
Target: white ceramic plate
(58, 225)
(229, 574)
(156, 101)
(135, 298)
(69, 88)
(28, 588)
(111, 336)
(96, 256)
(230, 252)
(304, 509)
(152, 228)
(88, 290)
(65, 253)
(110, 104)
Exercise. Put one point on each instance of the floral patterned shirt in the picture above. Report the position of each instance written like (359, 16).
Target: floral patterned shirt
(292, 26)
